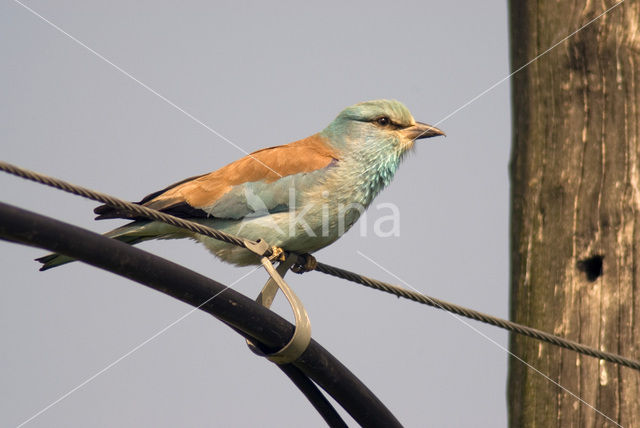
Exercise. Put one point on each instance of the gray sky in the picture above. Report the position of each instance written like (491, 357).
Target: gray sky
(260, 74)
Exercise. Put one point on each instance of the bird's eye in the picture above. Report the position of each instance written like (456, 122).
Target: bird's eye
(383, 121)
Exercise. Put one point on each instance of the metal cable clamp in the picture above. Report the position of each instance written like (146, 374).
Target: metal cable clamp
(302, 334)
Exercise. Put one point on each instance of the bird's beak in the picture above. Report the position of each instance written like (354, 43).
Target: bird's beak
(422, 130)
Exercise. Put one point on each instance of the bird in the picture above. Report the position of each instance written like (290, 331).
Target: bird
(299, 197)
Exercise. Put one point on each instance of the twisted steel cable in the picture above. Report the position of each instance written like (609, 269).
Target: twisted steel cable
(326, 269)
(478, 316)
(120, 204)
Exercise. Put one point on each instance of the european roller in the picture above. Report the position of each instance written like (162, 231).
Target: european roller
(300, 197)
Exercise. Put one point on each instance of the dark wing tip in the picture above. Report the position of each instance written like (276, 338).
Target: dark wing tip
(46, 260)
(105, 212)
(102, 209)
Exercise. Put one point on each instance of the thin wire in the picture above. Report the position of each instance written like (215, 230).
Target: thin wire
(123, 205)
(476, 315)
(568, 391)
(327, 269)
(527, 331)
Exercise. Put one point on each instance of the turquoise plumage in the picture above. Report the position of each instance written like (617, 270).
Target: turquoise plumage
(301, 196)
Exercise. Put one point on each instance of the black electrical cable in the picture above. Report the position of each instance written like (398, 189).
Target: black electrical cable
(327, 269)
(253, 320)
(313, 394)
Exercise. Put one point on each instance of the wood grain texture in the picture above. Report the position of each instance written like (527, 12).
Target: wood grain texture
(575, 201)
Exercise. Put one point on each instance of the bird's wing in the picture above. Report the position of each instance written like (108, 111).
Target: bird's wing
(255, 184)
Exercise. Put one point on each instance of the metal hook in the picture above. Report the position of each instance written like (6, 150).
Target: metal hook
(302, 334)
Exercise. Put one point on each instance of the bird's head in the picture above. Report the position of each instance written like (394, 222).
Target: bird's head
(377, 126)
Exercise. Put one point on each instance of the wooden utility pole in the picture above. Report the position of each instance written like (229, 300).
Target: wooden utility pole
(575, 210)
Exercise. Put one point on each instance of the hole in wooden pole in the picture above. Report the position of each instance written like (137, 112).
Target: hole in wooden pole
(592, 267)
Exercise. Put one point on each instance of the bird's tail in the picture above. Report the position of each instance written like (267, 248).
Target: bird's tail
(132, 233)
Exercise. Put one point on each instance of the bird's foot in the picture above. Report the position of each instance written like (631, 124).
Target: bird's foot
(310, 263)
(277, 254)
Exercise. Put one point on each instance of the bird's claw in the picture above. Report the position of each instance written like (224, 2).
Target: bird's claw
(310, 263)
(277, 254)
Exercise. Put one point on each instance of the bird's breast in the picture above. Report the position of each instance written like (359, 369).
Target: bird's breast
(335, 204)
